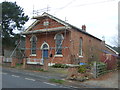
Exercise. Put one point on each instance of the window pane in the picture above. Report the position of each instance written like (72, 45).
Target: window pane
(33, 51)
(33, 45)
(80, 47)
(59, 39)
(45, 46)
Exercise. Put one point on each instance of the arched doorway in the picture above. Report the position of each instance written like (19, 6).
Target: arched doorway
(44, 48)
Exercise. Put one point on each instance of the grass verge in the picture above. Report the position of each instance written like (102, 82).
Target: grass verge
(57, 81)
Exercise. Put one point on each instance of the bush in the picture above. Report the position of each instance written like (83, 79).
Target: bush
(60, 66)
(82, 69)
(101, 63)
(18, 65)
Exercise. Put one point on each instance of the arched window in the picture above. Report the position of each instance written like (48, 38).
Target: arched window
(80, 47)
(59, 39)
(33, 41)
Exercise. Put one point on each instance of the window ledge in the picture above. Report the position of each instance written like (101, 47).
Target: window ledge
(33, 55)
(81, 56)
(58, 55)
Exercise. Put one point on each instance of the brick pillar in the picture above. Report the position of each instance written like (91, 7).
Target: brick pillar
(24, 63)
(1, 59)
(45, 66)
(14, 61)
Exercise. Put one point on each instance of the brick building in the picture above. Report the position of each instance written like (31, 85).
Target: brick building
(59, 42)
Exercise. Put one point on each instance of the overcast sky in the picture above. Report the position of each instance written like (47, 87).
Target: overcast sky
(99, 16)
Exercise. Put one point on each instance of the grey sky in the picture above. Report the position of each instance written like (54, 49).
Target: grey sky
(99, 16)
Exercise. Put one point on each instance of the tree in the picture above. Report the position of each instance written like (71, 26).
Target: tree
(13, 18)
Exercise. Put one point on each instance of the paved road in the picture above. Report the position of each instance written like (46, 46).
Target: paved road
(16, 79)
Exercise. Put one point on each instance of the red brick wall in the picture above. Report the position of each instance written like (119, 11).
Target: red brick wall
(91, 46)
(50, 40)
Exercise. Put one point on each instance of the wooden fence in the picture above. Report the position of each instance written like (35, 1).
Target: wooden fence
(99, 69)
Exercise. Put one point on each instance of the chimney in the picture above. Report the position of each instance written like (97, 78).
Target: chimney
(84, 27)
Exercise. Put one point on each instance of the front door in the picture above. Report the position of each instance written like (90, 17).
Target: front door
(45, 48)
(45, 53)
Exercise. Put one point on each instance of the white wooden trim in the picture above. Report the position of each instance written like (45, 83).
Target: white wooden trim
(57, 34)
(48, 15)
(58, 55)
(33, 24)
(33, 55)
(51, 64)
(44, 30)
(43, 44)
(112, 49)
(81, 56)
(52, 17)
(34, 63)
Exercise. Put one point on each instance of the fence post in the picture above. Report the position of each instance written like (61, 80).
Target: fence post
(95, 70)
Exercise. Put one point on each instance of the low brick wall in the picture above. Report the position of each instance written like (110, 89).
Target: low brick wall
(34, 66)
(8, 64)
(1, 59)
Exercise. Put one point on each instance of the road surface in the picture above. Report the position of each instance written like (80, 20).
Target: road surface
(16, 81)
(21, 79)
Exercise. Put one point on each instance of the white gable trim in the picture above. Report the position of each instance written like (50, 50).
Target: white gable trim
(112, 49)
(33, 24)
(44, 30)
(45, 14)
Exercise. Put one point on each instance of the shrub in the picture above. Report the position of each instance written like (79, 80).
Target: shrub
(60, 66)
(82, 68)
(18, 65)
(100, 63)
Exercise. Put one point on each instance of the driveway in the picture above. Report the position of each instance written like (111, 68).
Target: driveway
(109, 80)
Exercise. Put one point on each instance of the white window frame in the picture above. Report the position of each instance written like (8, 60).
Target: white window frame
(81, 47)
(58, 55)
(43, 45)
(46, 23)
(31, 53)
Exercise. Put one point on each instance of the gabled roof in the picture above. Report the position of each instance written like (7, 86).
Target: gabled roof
(109, 47)
(60, 21)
